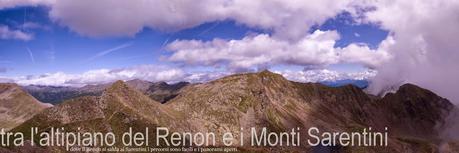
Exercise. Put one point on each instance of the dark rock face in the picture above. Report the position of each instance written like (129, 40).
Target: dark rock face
(415, 111)
(414, 115)
(164, 92)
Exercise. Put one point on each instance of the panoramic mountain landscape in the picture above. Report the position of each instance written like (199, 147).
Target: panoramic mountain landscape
(415, 115)
(329, 76)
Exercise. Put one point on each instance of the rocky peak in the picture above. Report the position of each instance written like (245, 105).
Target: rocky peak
(119, 91)
(140, 85)
(120, 96)
(268, 75)
(415, 111)
(16, 105)
(117, 86)
(264, 78)
(411, 90)
(413, 95)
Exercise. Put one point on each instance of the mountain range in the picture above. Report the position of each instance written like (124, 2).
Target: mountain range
(415, 116)
(159, 91)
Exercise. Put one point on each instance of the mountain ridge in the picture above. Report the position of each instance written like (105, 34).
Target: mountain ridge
(17, 105)
(263, 99)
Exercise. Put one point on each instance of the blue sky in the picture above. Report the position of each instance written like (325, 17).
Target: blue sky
(54, 42)
(55, 47)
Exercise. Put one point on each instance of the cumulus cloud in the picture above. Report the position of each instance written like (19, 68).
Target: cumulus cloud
(287, 19)
(7, 33)
(263, 51)
(424, 47)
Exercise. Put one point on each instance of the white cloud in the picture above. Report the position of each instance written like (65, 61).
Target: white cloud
(263, 51)
(422, 48)
(14, 3)
(144, 72)
(362, 54)
(7, 33)
(425, 49)
(205, 76)
(169, 74)
(320, 75)
(288, 19)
